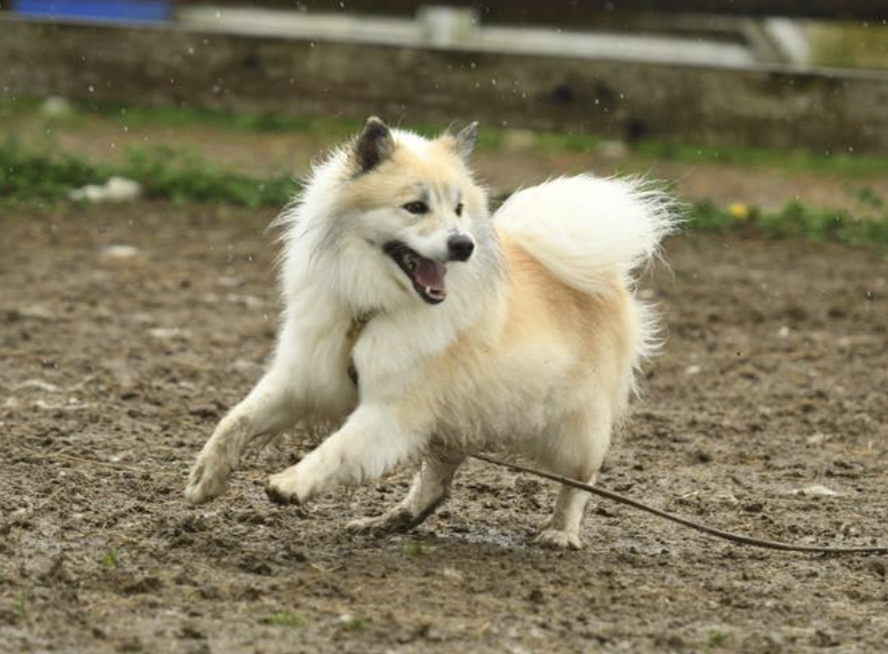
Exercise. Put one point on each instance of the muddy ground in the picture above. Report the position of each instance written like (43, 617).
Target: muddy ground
(114, 370)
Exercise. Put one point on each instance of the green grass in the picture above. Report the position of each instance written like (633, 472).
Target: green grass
(355, 623)
(20, 607)
(717, 639)
(285, 619)
(110, 558)
(796, 219)
(491, 137)
(415, 548)
(784, 160)
(35, 178)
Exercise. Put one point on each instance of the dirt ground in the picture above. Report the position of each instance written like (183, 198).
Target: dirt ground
(113, 370)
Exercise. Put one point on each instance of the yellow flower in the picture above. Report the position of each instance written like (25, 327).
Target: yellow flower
(739, 210)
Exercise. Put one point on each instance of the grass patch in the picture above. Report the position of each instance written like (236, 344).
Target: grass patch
(840, 163)
(796, 219)
(38, 178)
(354, 622)
(110, 558)
(284, 619)
(717, 639)
(169, 173)
(490, 136)
(20, 607)
(32, 178)
(415, 548)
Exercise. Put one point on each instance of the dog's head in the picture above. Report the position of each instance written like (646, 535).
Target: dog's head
(409, 212)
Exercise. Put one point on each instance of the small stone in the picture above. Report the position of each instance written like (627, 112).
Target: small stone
(120, 253)
(38, 384)
(815, 490)
(116, 189)
(56, 107)
(165, 333)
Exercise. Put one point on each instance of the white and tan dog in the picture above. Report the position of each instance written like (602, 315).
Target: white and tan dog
(424, 327)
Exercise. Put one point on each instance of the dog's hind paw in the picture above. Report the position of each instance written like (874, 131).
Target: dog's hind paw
(559, 539)
(207, 481)
(279, 496)
(287, 488)
(396, 520)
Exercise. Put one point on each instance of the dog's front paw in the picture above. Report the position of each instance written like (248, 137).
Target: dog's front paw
(287, 488)
(207, 481)
(559, 539)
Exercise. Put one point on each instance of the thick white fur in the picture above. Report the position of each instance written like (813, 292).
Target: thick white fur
(585, 228)
(493, 367)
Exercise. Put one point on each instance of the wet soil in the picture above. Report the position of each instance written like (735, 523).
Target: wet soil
(114, 369)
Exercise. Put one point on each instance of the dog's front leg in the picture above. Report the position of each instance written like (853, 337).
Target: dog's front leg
(268, 409)
(373, 440)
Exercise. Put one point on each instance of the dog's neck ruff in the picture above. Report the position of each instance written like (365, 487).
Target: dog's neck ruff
(358, 324)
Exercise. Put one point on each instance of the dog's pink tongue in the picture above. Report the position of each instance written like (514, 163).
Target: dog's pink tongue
(430, 274)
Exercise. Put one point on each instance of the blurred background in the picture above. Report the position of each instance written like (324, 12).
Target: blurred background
(710, 94)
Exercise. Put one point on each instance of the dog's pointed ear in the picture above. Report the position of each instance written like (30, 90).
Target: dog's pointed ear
(374, 145)
(465, 140)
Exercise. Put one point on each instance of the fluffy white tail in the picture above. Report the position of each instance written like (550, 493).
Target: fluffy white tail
(587, 229)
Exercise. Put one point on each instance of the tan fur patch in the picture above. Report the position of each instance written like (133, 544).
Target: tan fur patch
(539, 302)
(399, 179)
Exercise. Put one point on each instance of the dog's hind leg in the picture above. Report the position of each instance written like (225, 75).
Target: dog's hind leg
(430, 489)
(580, 458)
(268, 409)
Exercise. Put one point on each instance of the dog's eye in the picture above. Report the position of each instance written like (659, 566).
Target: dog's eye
(459, 209)
(417, 207)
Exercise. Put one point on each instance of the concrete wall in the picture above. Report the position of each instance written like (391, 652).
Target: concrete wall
(763, 106)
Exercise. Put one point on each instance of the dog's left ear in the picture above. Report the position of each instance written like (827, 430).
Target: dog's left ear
(374, 145)
(465, 140)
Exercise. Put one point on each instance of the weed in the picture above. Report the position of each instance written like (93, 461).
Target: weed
(21, 607)
(717, 639)
(414, 548)
(47, 177)
(354, 622)
(491, 137)
(31, 177)
(284, 619)
(168, 173)
(110, 558)
(794, 220)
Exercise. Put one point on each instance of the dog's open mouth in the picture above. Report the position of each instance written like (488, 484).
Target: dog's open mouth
(427, 275)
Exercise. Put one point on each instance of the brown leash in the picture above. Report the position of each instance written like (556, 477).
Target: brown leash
(712, 531)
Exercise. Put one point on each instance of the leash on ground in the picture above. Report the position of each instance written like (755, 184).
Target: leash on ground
(740, 539)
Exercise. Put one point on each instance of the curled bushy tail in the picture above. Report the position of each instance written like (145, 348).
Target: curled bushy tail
(587, 230)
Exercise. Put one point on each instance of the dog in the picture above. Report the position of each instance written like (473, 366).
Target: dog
(427, 329)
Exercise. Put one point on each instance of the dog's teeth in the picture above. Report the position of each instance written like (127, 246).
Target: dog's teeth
(428, 290)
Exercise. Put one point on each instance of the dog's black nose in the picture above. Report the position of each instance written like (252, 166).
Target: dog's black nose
(460, 247)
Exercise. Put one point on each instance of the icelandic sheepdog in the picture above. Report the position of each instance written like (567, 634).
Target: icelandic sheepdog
(425, 328)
